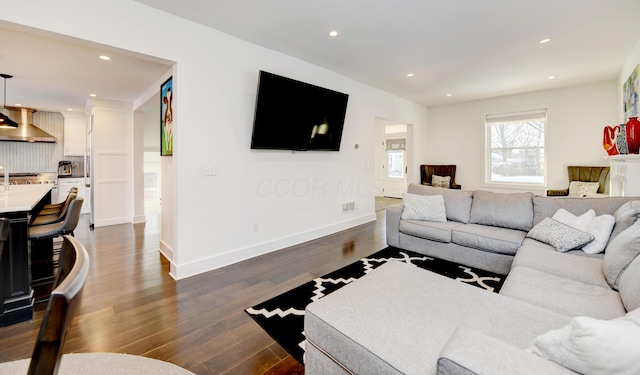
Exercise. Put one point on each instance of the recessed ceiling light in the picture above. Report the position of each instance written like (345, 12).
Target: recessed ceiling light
(409, 74)
(545, 40)
(333, 33)
(449, 94)
(69, 109)
(105, 57)
(93, 95)
(551, 77)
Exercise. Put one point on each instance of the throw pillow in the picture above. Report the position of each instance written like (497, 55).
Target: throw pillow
(583, 189)
(423, 207)
(621, 251)
(593, 347)
(561, 236)
(579, 222)
(600, 227)
(440, 181)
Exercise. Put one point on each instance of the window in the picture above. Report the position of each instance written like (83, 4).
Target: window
(517, 147)
(396, 164)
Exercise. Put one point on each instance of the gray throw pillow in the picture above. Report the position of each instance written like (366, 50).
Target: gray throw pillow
(457, 202)
(561, 236)
(621, 251)
(423, 207)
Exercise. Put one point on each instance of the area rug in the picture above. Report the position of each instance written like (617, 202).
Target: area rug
(283, 316)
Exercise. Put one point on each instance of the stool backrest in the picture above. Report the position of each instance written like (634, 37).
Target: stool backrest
(64, 300)
(73, 215)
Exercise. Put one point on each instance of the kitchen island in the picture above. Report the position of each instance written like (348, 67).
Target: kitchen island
(16, 296)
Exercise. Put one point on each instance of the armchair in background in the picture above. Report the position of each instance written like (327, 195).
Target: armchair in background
(428, 171)
(585, 174)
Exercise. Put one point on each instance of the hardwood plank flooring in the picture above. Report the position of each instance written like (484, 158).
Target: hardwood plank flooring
(131, 304)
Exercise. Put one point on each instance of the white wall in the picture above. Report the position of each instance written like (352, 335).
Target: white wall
(576, 118)
(292, 197)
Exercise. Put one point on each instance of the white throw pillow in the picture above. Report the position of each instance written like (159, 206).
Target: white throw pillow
(593, 347)
(599, 227)
(579, 222)
(423, 207)
(439, 181)
(583, 189)
(559, 235)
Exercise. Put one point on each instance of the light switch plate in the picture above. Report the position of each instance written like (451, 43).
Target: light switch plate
(209, 169)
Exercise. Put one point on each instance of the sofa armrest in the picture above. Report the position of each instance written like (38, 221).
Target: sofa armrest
(470, 352)
(558, 193)
(393, 224)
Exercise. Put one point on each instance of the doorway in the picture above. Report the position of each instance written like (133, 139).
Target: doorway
(393, 156)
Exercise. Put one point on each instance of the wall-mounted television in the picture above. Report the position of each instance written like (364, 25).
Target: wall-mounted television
(293, 115)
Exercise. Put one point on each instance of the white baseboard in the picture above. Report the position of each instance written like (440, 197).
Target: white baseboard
(181, 271)
(114, 221)
(137, 219)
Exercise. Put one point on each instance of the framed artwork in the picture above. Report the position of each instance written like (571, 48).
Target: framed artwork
(630, 95)
(166, 117)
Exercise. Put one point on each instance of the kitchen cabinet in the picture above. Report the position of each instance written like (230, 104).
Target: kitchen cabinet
(75, 135)
(66, 183)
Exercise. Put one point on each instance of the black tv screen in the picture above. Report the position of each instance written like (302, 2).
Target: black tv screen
(293, 115)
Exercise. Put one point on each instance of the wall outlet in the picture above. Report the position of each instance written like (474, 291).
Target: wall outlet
(209, 169)
(256, 226)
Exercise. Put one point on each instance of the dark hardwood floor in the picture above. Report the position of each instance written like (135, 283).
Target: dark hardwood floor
(131, 304)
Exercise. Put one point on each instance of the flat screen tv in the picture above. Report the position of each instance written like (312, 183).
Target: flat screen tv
(293, 115)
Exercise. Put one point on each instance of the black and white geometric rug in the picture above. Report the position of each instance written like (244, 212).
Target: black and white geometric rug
(283, 316)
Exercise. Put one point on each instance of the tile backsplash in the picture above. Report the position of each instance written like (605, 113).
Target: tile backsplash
(24, 157)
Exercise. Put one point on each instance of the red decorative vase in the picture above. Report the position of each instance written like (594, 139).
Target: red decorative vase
(633, 135)
(609, 139)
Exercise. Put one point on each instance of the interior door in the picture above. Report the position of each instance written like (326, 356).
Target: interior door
(395, 178)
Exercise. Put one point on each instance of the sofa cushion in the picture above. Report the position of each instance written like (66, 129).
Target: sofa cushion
(397, 319)
(561, 236)
(562, 295)
(629, 286)
(423, 207)
(544, 207)
(585, 269)
(593, 347)
(488, 238)
(456, 202)
(625, 215)
(514, 211)
(620, 252)
(430, 230)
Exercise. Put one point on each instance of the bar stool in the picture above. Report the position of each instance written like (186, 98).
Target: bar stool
(43, 262)
(52, 208)
(55, 215)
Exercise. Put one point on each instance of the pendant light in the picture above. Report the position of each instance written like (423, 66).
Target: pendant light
(5, 121)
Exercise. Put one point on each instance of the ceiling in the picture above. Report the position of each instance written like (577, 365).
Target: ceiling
(57, 73)
(471, 49)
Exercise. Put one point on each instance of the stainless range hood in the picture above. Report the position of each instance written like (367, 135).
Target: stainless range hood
(26, 131)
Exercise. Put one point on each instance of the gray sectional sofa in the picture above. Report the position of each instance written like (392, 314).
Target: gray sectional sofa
(400, 319)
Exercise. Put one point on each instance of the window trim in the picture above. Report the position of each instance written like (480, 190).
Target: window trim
(486, 148)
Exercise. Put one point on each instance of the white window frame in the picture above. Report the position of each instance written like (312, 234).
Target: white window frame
(510, 116)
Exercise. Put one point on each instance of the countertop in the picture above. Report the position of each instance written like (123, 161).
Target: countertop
(22, 198)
